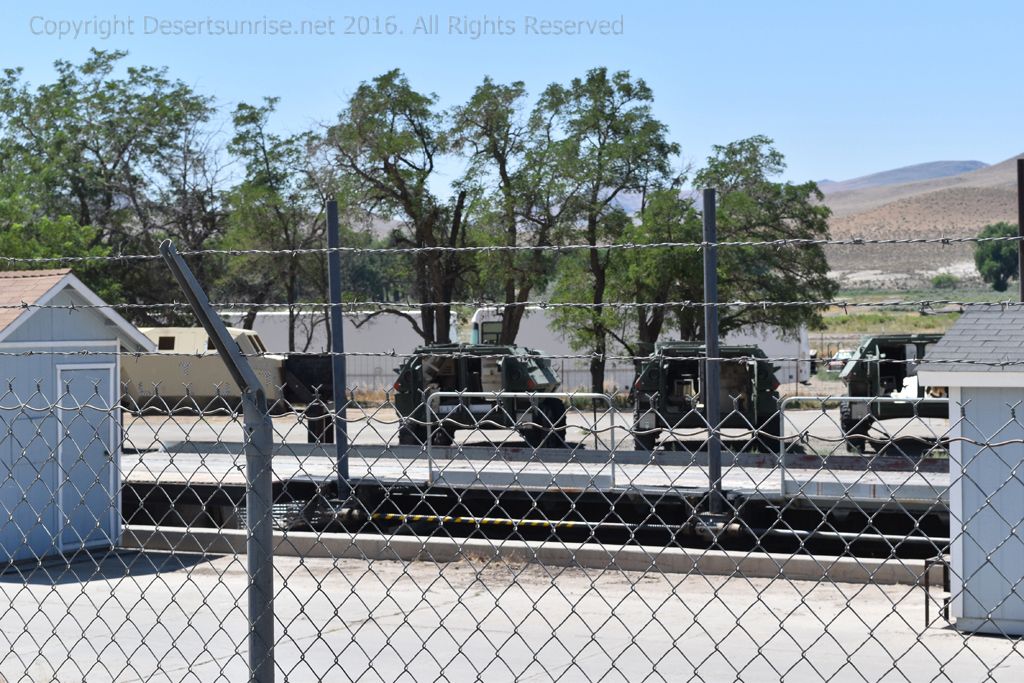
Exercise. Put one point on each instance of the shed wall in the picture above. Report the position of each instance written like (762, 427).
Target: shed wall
(41, 465)
(58, 324)
(987, 506)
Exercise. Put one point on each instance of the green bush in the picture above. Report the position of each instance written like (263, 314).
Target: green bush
(945, 281)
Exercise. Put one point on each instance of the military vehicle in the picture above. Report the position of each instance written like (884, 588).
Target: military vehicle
(668, 393)
(885, 366)
(188, 372)
(478, 368)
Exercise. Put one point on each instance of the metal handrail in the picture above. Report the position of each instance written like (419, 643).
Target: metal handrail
(435, 399)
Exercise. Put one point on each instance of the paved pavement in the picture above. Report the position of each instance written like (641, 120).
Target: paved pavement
(606, 429)
(160, 617)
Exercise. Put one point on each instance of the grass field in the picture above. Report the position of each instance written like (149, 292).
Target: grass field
(887, 322)
(971, 294)
(905, 318)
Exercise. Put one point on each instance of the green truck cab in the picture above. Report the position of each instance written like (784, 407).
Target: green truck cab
(885, 366)
(478, 368)
(668, 393)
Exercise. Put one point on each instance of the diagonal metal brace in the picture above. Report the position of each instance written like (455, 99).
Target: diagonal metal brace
(259, 441)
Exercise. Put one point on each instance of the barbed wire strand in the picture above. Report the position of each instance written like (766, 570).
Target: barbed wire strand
(382, 307)
(455, 354)
(779, 243)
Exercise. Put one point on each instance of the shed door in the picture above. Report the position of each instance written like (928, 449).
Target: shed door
(28, 482)
(87, 416)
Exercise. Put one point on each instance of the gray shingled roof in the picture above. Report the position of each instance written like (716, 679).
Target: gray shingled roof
(983, 334)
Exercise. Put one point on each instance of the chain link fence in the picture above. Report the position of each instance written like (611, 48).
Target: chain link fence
(472, 519)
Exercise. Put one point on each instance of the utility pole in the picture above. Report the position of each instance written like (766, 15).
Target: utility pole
(1020, 226)
(338, 368)
(712, 369)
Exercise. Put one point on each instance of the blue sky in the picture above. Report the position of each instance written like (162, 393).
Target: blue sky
(844, 88)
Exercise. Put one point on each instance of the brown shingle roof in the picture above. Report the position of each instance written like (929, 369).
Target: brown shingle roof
(24, 286)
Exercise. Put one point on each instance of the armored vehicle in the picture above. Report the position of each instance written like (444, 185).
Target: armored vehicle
(669, 393)
(478, 368)
(189, 374)
(886, 366)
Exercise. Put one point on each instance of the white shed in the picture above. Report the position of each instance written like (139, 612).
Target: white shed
(60, 424)
(981, 360)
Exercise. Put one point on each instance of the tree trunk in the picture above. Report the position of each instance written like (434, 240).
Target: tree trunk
(292, 298)
(597, 364)
(600, 333)
(649, 326)
(443, 324)
(427, 324)
(512, 316)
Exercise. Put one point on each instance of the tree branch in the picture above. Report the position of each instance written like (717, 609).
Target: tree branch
(391, 311)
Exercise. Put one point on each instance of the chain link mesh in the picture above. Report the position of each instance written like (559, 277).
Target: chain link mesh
(498, 535)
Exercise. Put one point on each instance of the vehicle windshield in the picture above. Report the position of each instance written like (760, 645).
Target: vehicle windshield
(538, 364)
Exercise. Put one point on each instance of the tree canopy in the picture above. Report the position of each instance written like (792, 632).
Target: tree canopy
(997, 261)
(111, 157)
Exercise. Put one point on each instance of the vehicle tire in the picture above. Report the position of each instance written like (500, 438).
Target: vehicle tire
(411, 436)
(550, 428)
(645, 442)
(855, 432)
(319, 428)
(770, 435)
(442, 436)
(556, 412)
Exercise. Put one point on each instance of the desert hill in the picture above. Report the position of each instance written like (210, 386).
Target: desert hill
(951, 206)
(905, 174)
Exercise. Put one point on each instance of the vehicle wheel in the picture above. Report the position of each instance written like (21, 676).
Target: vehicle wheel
(645, 442)
(318, 424)
(549, 431)
(440, 436)
(556, 412)
(855, 432)
(770, 435)
(411, 436)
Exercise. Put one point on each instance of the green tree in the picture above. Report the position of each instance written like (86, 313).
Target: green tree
(122, 150)
(611, 146)
(656, 276)
(387, 142)
(997, 261)
(278, 206)
(24, 234)
(515, 189)
(754, 207)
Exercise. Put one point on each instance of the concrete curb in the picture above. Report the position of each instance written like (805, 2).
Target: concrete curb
(653, 559)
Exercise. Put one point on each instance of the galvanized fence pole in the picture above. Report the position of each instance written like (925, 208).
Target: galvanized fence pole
(259, 440)
(338, 369)
(712, 369)
(1020, 226)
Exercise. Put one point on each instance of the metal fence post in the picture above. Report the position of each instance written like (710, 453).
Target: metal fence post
(338, 369)
(259, 440)
(712, 369)
(1020, 226)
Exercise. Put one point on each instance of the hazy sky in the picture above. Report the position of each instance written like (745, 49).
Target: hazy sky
(845, 88)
